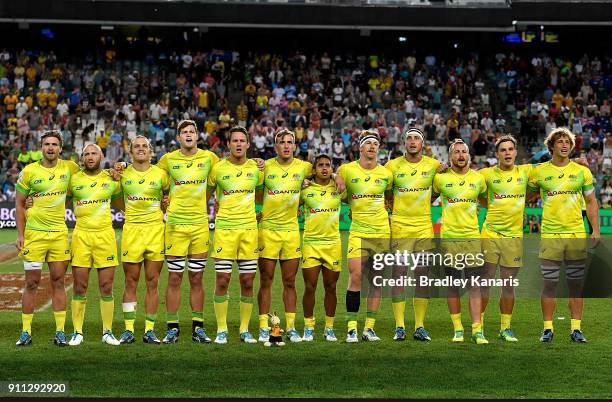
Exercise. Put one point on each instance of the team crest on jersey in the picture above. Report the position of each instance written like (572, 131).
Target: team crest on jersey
(152, 183)
(572, 177)
(354, 180)
(378, 181)
(105, 185)
(249, 175)
(63, 177)
(472, 185)
(200, 165)
(519, 180)
(425, 174)
(297, 176)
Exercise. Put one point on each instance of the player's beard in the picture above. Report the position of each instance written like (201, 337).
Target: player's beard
(94, 169)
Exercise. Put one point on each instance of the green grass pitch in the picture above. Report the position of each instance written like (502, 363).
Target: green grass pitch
(438, 369)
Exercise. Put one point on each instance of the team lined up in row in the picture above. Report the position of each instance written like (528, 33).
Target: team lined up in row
(190, 176)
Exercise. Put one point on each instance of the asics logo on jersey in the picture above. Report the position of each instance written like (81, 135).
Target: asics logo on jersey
(181, 182)
(238, 174)
(219, 249)
(275, 192)
(189, 164)
(285, 175)
(358, 196)
(367, 179)
(141, 181)
(126, 253)
(462, 182)
(52, 177)
(561, 192)
(323, 193)
(93, 184)
(413, 173)
(503, 196)
(561, 175)
(169, 247)
(25, 252)
(509, 180)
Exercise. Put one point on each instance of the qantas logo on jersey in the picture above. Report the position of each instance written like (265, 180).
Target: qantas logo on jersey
(51, 194)
(562, 192)
(504, 196)
(276, 192)
(135, 198)
(182, 182)
(89, 202)
(239, 191)
(411, 190)
(318, 210)
(455, 200)
(374, 196)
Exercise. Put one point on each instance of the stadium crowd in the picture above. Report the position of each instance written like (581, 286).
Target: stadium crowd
(326, 99)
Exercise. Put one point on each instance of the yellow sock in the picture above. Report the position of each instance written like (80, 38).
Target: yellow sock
(263, 321)
(107, 309)
(351, 321)
(246, 307)
(129, 315)
(150, 322)
(60, 320)
(399, 308)
(457, 325)
(290, 318)
(548, 325)
(329, 321)
(26, 323)
(221, 304)
(78, 313)
(309, 322)
(505, 321)
(370, 320)
(420, 308)
(476, 327)
(575, 324)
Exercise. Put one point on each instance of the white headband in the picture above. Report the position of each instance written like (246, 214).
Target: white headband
(368, 137)
(416, 131)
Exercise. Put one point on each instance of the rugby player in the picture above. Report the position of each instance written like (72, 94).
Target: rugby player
(460, 188)
(411, 226)
(42, 235)
(279, 236)
(366, 185)
(562, 184)
(235, 180)
(142, 242)
(322, 249)
(93, 240)
(186, 235)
